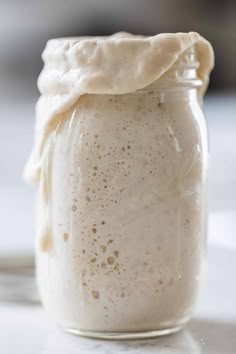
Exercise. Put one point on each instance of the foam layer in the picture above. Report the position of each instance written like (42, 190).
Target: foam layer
(118, 64)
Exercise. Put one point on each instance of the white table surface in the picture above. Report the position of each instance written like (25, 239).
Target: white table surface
(26, 329)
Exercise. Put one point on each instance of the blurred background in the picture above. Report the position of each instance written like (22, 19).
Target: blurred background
(26, 25)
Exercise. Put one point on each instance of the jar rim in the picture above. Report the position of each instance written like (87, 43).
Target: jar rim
(172, 85)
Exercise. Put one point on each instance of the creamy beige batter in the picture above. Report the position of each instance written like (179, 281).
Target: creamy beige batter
(122, 174)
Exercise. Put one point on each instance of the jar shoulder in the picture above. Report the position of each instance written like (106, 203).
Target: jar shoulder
(149, 118)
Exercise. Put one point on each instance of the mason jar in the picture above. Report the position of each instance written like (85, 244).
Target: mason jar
(122, 209)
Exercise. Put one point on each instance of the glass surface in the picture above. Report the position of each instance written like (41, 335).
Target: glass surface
(125, 196)
(125, 335)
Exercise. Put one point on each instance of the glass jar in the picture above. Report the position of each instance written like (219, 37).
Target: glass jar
(123, 209)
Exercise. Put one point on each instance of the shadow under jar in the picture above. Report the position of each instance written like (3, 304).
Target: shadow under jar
(126, 180)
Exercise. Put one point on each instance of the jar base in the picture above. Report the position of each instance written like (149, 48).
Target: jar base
(124, 335)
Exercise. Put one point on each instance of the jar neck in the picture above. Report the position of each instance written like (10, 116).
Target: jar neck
(182, 74)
